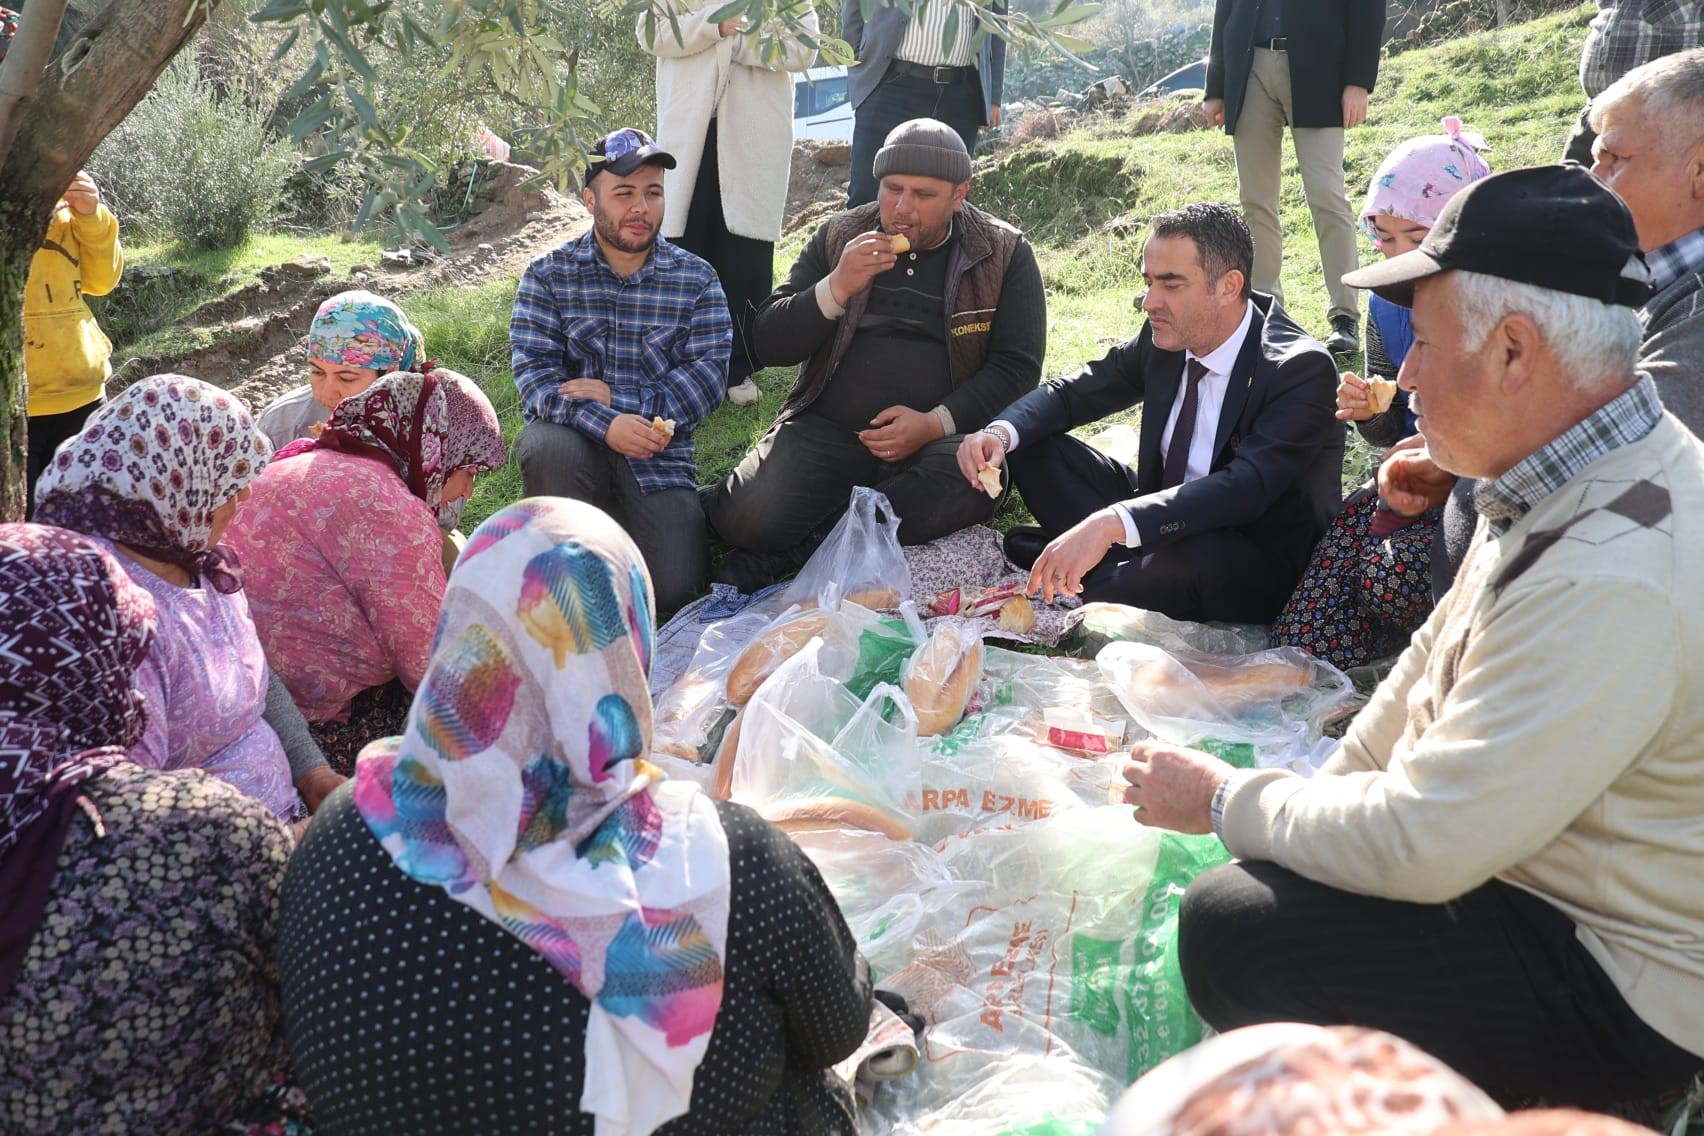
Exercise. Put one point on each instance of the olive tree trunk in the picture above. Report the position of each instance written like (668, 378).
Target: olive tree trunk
(51, 120)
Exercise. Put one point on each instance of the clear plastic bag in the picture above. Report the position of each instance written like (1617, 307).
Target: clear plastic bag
(804, 734)
(861, 560)
(1274, 700)
(1094, 625)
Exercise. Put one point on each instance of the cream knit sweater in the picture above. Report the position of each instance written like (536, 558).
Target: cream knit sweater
(1544, 728)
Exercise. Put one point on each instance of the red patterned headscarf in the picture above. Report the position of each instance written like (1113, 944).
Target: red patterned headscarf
(423, 426)
(76, 629)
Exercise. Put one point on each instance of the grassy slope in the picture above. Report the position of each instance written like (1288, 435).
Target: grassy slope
(1085, 200)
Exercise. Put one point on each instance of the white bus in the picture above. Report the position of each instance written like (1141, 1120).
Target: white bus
(822, 105)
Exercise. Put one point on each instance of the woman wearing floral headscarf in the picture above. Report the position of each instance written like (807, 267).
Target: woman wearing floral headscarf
(341, 549)
(156, 476)
(355, 337)
(138, 987)
(609, 951)
(1368, 586)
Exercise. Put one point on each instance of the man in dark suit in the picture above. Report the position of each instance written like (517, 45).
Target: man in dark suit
(1308, 65)
(908, 67)
(1241, 455)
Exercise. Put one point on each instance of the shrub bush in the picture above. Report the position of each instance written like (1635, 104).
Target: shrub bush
(192, 164)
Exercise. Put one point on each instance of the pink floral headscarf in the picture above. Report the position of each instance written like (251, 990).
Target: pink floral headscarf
(1421, 174)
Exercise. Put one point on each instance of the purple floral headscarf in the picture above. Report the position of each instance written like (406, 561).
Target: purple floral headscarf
(1423, 173)
(150, 469)
(76, 629)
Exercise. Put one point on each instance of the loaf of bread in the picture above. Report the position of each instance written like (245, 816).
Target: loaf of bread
(875, 599)
(1161, 685)
(901, 244)
(941, 677)
(1017, 614)
(989, 475)
(825, 814)
(778, 643)
(1380, 393)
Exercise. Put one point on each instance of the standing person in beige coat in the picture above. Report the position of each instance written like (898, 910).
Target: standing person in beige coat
(725, 111)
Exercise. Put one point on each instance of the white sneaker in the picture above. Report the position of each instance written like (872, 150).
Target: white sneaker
(746, 394)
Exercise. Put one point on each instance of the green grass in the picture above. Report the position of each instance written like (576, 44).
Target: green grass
(146, 315)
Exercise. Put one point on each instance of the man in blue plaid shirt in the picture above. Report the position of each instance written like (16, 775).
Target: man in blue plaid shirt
(620, 344)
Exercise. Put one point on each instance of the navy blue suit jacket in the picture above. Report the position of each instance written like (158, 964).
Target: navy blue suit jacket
(1277, 463)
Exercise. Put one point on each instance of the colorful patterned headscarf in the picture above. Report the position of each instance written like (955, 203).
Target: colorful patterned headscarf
(522, 787)
(423, 426)
(8, 29)
(151, 468)
(76, 629)
(1421, 174)
(360, 329)
(1287, 1078)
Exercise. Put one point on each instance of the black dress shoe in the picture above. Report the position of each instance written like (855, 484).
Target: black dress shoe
(1023, 544)
(1345, 337)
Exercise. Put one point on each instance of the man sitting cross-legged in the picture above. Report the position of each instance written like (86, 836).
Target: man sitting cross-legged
(1240, 460)
(904, 344)
(1501, 862)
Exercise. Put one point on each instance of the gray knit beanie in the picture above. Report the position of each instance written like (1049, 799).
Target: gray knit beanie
(924, 147)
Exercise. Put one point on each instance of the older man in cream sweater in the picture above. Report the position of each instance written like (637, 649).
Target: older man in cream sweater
(1502, 863)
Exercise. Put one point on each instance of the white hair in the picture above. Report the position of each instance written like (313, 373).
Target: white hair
(1670, 95)
(1593, 342)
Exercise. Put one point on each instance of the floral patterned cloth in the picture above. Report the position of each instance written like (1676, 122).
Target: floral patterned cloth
(75, 630)
(1362, 597)
(150, 469)
(361, 329)
(522, 787)
(423, 426)
(204, 681)
(148, 1001)
(377, 712)
(344, 575)
(1423, 173)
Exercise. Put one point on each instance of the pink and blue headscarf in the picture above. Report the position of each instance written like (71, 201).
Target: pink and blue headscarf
(360, 329)
(1423, 173)
(521, 787)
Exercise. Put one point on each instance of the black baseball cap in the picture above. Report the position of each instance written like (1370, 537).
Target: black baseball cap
(1554, 227)
(625, 150)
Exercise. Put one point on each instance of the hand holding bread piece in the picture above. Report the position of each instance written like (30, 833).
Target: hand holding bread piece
(664, 426)
(1380, 394)
(989, 475)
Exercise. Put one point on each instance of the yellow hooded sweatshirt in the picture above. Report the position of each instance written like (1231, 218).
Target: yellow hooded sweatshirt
(66, 355)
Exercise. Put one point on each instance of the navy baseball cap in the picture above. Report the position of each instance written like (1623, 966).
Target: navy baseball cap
(1555, 227)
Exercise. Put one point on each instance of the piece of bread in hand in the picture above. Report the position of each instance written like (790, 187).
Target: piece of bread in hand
(1380, 393)
(989, 475)
(774, 646)
(901, 244)
(664, 426)
(828, 814)
(942, 676)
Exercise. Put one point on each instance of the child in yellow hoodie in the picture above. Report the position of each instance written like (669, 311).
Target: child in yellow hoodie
(66, 355)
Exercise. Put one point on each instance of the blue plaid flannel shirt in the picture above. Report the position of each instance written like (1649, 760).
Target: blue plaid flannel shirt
(660, 339)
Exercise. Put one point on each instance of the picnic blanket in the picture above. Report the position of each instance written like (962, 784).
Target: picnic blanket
(1028, 919)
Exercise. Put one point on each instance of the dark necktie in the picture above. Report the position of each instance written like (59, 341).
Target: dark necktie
(1177, 454)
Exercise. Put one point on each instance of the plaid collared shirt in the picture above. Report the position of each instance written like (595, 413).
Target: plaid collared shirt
(1627, 33)
(659, 338)
(1621, 421)
(1680, 257)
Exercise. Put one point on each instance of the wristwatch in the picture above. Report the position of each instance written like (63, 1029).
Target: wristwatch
(1000, 432)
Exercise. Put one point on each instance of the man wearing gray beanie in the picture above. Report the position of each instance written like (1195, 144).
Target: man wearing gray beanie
(914, 318)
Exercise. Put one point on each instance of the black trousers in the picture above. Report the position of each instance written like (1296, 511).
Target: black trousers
(1495, 983)
(46, 432)
(1222, 574)
(901, 98)
(801, 474)
(744, 265)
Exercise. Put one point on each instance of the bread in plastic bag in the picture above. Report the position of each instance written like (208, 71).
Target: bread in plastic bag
(942, 675)
(861, 560)
(1094, 625)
